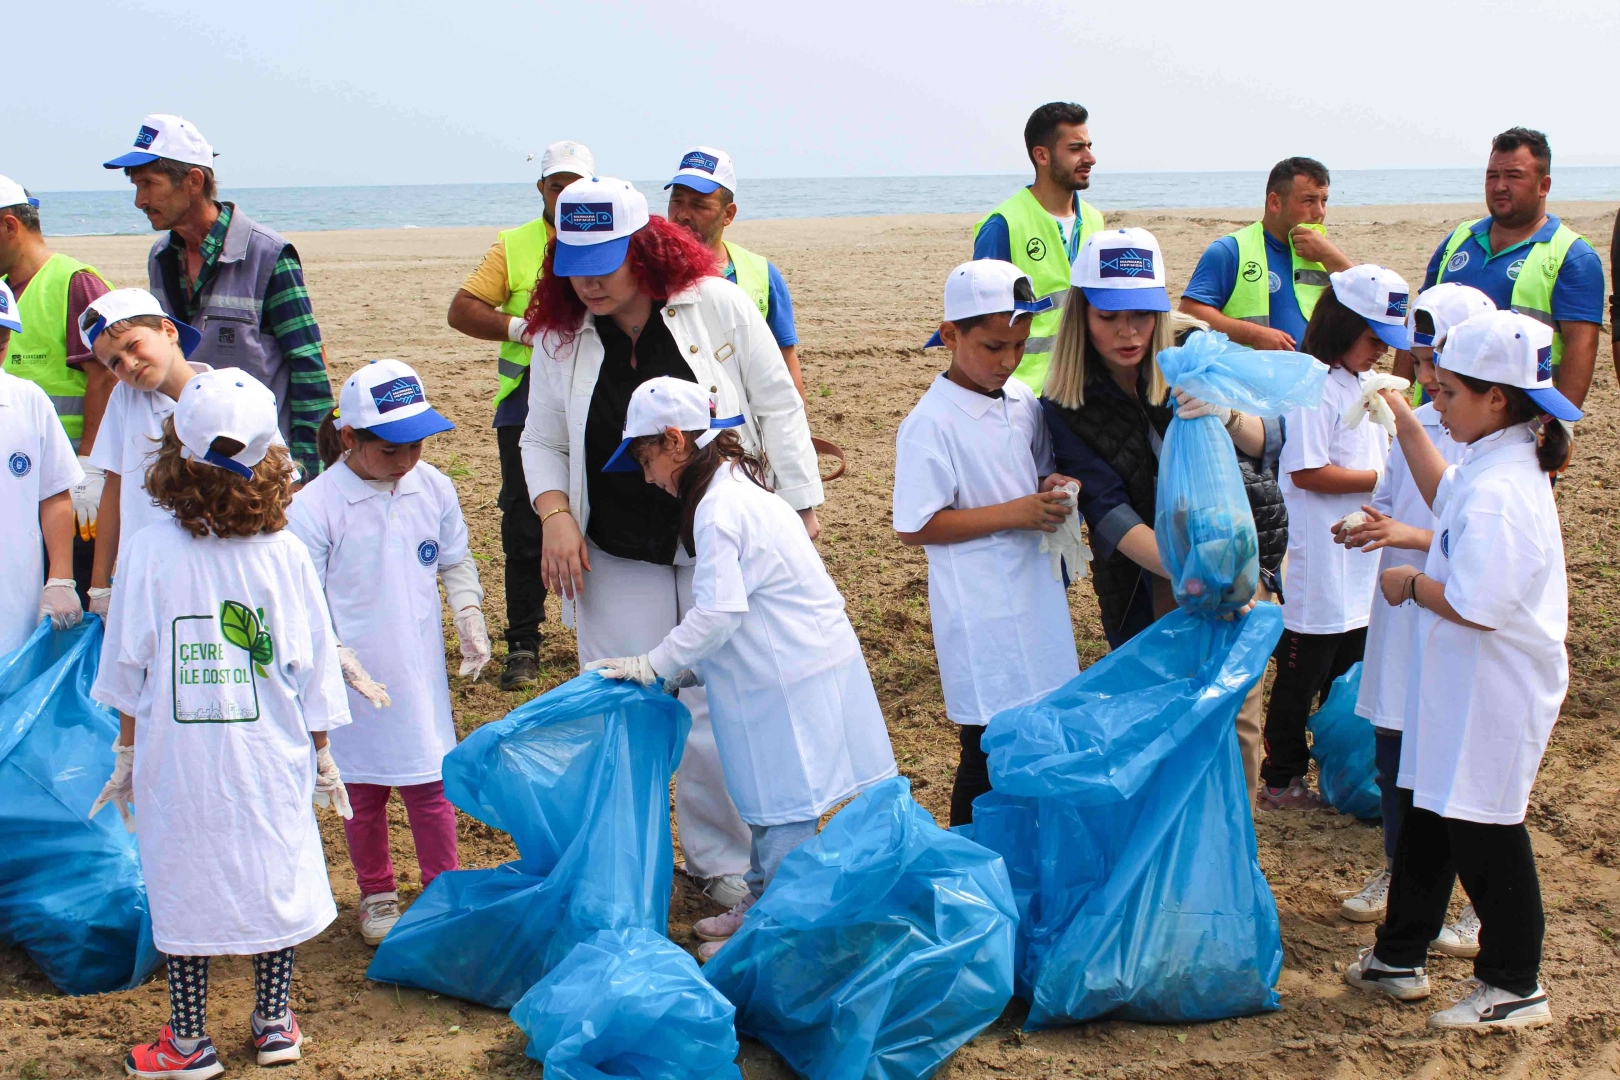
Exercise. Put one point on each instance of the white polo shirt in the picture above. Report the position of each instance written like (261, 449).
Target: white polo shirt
(36, 462)
(1329, 587)
(1387, 662)
(1002, 630)
(1489, 698)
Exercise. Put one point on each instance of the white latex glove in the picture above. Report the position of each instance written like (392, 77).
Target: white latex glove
(86, 495)
(681, 680)
(1067, 544)
(1370, 403)
(355, 674)
(120, 787)
(1191, 408)
(518, 331)
(636, 668)
(1341, 528)
(329, 789)
(100, 601)
(60, 601)
(474, 641)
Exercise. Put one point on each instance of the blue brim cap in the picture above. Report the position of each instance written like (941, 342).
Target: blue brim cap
(1554, 403)
(412, 428)
(1156, 299)
(1396, 337)
(621, 461)
(590, 260)
(130, 160)
(190, 338)
(934, 342)
(696, 183)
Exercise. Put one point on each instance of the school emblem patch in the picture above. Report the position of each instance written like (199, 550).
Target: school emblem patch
(20, 464)
(1273, 282)
(1458, 261)
(1445, 543)
(427, 552)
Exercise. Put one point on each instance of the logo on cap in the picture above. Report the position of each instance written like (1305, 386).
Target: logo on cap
(1458, 261)
(1124, 263)
(5, 305)
(1397, 305)
(144, 137)
(697, 159)
(1544, 364)
(19, 464)
(427, 552)
(587, 217)
(397, 394)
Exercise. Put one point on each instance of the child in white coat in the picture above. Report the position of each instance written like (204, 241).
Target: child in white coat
(795, 716)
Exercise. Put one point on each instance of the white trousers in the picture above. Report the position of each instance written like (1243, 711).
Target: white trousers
(625, 609)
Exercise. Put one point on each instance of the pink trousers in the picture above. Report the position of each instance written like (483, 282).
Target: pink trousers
(433, 827)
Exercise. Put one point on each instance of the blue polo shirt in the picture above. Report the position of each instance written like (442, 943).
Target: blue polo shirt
(1216, 275)
(1577, 294)
(779, 306)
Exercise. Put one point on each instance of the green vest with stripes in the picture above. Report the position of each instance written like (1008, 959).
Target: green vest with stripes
(39, 353)
(525, 257)
(1251, 291)
(1533, 285)
(753, 275)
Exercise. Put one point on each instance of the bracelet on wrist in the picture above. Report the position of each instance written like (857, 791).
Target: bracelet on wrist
(549, 514)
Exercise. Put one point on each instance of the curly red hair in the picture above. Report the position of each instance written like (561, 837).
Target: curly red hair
(664, 257)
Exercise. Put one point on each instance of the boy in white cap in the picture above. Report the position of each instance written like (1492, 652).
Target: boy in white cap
(35, 505)
(975, 485)
(220, 660)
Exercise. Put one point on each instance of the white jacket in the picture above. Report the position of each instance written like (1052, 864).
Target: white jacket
(724, 339)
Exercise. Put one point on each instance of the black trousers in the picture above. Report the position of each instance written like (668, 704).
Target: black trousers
(972, 774)
(520, 543)
(1498, 871)
(1306, 665)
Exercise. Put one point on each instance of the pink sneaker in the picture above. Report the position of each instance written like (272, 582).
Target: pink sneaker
(1296, 796)
(719, 928)
(707, 950)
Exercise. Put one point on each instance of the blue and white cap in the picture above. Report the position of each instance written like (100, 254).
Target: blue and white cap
(703, 169)
(663, 403)
(226, 403)
(595, 217)
(121, 304)
(14, 194)
(1379, 295)
(10, 317)
(1512, 349)
(386, 398)
(164, 136)
(988, 287)
(1121, 270)
(1448, 304)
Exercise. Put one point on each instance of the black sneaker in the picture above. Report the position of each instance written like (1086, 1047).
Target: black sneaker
(522, 669)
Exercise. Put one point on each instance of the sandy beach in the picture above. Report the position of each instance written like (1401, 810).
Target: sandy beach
(867, 293)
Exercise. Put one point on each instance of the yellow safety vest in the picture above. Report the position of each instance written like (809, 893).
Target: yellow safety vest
(1533, 282)
(1251, 292)
(39, 353)
(525, 259)
(753, 275)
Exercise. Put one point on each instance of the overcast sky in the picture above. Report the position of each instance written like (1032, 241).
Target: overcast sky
(295, 92)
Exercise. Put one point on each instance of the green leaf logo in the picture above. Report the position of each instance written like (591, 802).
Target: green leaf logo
(239, 625)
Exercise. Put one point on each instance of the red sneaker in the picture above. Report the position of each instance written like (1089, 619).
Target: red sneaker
(1296, 796)
(279, 1043)
(163, 1060)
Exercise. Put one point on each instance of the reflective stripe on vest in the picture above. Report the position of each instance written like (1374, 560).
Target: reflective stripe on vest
(1251, 290)
(525, 258)
(39, 352)
(1038, 250)
(753, 275)
(1533, 284)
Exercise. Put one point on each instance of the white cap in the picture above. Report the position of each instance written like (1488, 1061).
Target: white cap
(1379, 295)
(10, 317)
(703, 168)
(1512, 349)
(386, 398)
(13, 194)
(226, 403)
(1121, 270)
(1448, 304)
(988, 287)
(165, 136)
(121, 304)
(595, 217)
(662, 403)
(567, 156)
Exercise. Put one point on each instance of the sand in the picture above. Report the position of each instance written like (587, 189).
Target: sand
(866, 292)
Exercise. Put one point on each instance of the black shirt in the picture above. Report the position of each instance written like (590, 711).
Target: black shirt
(629, 518)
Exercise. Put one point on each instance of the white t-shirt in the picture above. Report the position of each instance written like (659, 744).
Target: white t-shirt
(1329, 587)
(378, 556)
(1066, 227)
(1002, 629)
(222, 650)
(1387, 662)
(38, 462)
(1489, 698)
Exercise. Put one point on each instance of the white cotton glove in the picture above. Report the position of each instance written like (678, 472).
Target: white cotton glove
(1191, 408)
(120, 787)
(86, 495)
(474, 641)
(518, 331)
(1370, 403)
(635, 668)
(60, 602)
(357, 677)
(1067, 544)
(100, 601)
(329, 789)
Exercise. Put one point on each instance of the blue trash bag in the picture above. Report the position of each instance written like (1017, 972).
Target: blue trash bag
(880, 947)
(1120, 804)
(71, 890)
(629, 1003)
(580, 778)
(1345, 750)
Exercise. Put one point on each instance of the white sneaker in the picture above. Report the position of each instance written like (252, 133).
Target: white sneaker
(1403, 984)
(378, 914)
(1488, 1008)
(727, 890)
(1369, 904)
(1461, 938)
(721, 927)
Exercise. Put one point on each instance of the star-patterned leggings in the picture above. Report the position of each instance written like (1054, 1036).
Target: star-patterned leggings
(188, 990)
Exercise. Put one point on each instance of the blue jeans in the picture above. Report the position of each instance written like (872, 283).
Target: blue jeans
(771, 844)
(1387, 756)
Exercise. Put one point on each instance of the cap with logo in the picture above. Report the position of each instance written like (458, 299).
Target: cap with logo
(988, 287)
(1512, 349)
(1379, 295)
(10, 317)
(226, 403)
(1121, 270)
(595, 217)
(1448, 304)
(703, 169)
(13, 194)
(386, 398)
(663, 403)
(165, 136)
(121, 304)
(567, 156)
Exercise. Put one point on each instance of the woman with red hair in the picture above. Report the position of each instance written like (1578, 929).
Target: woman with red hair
(624, 298)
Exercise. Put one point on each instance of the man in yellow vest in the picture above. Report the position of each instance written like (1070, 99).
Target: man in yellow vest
(52, 291)
(489, 306)
(703, 199)
(1041, 227)
(1259, 285)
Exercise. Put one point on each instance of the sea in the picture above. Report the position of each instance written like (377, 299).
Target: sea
(426, 206)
